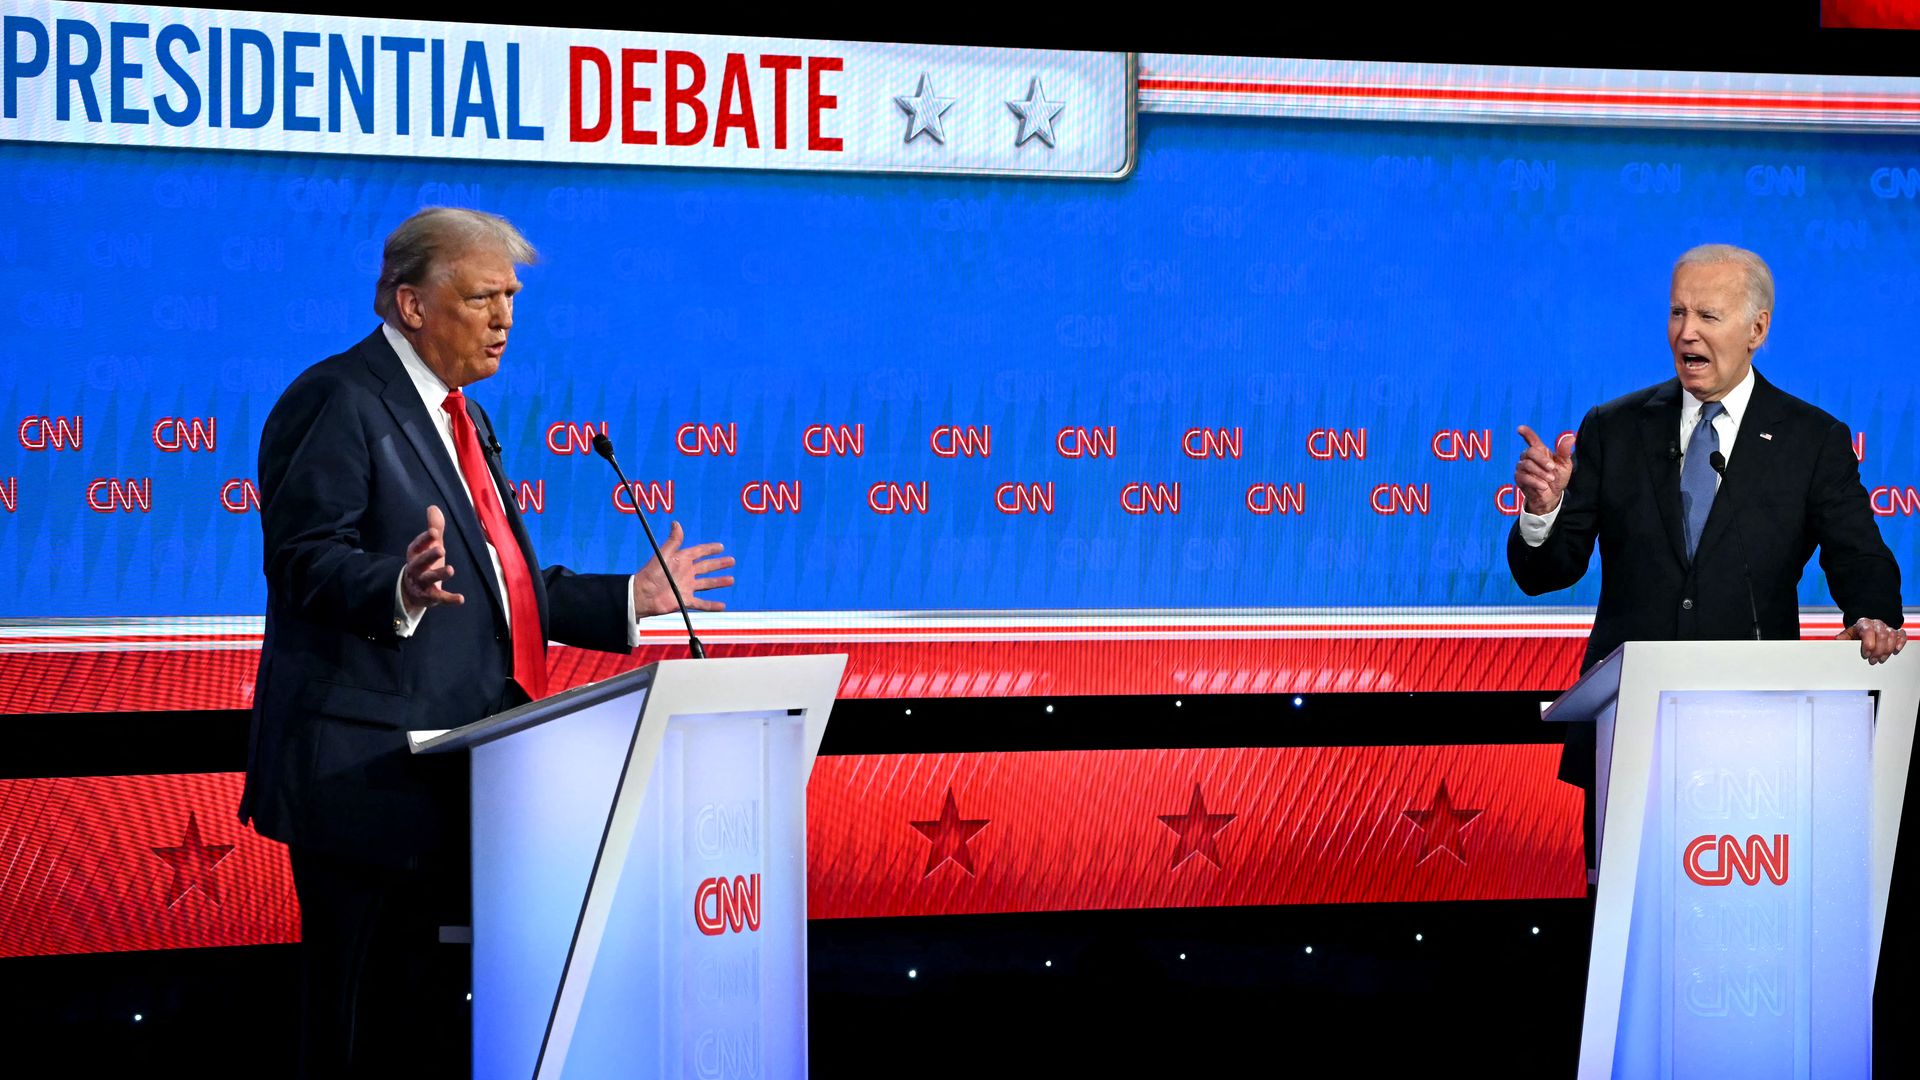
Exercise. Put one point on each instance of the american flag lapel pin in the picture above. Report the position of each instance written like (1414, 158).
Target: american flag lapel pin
(1767, 435)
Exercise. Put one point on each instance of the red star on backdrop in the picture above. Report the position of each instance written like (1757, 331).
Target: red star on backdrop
(949, 836)
(193, 863)
(1197, 829)
(1441, 826)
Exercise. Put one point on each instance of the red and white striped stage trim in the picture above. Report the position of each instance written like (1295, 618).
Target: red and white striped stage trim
(1471, 93)
(209, 663)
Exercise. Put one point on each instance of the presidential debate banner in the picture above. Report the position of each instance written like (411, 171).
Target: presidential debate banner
(1065, 346)
(224, 80)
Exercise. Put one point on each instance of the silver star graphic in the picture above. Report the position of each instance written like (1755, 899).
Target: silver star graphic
(925, 110)
(1036, 114)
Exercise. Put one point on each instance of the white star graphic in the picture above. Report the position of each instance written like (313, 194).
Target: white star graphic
(1036, 114)
(924, 110)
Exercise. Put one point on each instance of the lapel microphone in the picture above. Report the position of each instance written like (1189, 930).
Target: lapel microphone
(1719, 463)
(604, 447)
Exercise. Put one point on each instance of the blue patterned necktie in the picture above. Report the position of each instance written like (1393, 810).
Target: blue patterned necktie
(1697, 479)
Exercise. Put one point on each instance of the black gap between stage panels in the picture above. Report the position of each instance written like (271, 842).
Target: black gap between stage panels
(209, 741)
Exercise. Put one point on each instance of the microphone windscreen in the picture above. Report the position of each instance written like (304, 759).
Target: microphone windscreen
(1718, 461)
(603, 446)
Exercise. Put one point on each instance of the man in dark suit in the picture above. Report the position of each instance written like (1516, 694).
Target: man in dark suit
(376, 626)
(1700, 485)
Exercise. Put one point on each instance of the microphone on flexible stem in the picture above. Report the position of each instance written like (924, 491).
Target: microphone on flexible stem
(1719, 463)
(604, 447)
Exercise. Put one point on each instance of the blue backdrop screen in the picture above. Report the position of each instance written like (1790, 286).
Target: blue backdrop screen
(1279, 290)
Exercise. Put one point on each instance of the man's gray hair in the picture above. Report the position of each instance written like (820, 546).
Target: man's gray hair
(1759, 278)
(423, 243)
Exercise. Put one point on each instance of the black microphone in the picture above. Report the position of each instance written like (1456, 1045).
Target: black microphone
(604, 447)
(1719, 463)
(1673, 451)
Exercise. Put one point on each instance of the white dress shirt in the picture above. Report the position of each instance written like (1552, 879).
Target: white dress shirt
(1534, 528)
(433, 394)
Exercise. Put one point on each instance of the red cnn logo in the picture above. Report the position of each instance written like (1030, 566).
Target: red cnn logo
(238, 496)
(1150, 498)
(1402, 498)
(1454, 444)
(1079, 442)
(821, 440)
(104, 496)
(1199, 443)
(1749, 864)
(650, 495)
(1013, 498)
(890, 498)
(173, 434)
(720, 905)
(768, 497)
(695, 440)
(956, 441)
(50, 432)
(566, 438)
(1888, 501)
(1277, 498)
(1325, 444)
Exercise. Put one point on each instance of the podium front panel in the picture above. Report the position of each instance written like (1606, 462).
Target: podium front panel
(700, 971)
(1749, 948)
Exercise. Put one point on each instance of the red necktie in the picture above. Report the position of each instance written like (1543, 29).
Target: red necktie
(529, 641)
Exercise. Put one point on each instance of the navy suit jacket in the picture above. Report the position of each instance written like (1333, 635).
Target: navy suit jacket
(349, 463)
(1781, 497)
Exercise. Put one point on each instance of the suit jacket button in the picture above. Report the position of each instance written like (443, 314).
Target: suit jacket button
(1686, 605)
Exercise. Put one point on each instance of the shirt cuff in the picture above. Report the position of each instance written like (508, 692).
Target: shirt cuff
(633, 620)
(405, 623)
(1535, 527)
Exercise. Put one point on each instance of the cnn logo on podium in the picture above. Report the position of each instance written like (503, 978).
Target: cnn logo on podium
(720, 905)
(1729, 859)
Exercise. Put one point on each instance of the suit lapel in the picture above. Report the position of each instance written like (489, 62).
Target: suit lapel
(1659, 437)
(410, 413)
(1750, 459)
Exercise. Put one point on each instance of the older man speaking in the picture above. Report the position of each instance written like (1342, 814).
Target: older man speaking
(1707, 494)
(403, 593)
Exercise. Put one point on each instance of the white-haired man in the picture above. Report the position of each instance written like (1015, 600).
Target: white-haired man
(403, 593)
(1697, 487)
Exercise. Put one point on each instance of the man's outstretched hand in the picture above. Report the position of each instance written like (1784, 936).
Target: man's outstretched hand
(427, 567)
(651, 596)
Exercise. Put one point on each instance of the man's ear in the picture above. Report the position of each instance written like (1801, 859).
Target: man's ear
(1757, 336)
(410, 306)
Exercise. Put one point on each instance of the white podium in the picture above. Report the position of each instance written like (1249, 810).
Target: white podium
(639, 872)
(1748, 803)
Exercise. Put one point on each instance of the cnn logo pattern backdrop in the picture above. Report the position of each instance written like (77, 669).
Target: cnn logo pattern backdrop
(1279, 365)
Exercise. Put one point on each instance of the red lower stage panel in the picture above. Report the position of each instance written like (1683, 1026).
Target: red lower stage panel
(93, 864)
(943, 834)
(114, 863)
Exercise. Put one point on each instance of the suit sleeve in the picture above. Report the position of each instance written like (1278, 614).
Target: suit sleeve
(588, 611)
(315, 469)
(1562, 558)
(1861, 571)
